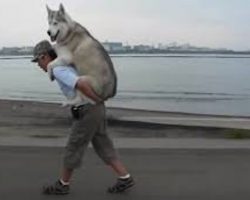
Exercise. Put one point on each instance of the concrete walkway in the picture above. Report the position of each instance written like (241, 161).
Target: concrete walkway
(135, 143)
(165, 166)
(160, 174)
(184, 119)
(24, 113)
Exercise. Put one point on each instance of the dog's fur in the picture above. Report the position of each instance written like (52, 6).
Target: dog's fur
(75, 45)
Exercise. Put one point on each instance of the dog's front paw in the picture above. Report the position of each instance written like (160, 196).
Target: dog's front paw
(65, 104)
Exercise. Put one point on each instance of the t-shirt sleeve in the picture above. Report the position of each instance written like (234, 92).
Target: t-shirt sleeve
(66, 75)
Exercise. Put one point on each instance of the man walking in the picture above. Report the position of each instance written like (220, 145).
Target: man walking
(89, 125)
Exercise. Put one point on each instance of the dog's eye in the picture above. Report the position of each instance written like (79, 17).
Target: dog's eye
(55, 23)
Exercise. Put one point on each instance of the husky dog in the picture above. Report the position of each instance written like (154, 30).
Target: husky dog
(75, 45)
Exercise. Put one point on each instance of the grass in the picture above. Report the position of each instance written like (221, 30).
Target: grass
(237, 134)
(47, 136)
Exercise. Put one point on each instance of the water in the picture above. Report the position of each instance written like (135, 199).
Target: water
(208, 84)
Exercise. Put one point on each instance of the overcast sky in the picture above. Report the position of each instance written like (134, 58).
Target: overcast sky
(211, 23)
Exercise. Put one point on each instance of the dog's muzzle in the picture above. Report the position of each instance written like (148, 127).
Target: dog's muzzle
(53, 38)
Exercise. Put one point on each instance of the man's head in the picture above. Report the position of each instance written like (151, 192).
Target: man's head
(43, 53)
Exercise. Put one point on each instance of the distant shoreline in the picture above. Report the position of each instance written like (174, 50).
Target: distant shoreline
(152, 52)
(152, 55)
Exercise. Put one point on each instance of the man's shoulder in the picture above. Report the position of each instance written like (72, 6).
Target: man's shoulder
(68, 68)
(65, 75)
(65, 67)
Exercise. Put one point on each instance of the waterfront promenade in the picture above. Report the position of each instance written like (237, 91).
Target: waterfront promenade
(169, 159)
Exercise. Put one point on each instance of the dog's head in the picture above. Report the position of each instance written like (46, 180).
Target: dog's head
(59, 24)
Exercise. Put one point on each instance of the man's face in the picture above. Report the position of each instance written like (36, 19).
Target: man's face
(43, 61)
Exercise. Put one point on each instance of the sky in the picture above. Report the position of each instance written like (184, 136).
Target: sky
(210, 23)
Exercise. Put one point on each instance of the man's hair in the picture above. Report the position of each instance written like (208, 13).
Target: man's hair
(52, 53)
(43, 47)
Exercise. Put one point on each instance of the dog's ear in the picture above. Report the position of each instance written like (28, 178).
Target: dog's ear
(48, 9)
(61, 9)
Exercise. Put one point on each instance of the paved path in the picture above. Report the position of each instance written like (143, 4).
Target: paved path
(161, 174)
(136, 143)
(191, 120)
(190, 167)
(24, 113)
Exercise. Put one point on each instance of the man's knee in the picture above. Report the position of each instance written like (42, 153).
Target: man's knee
(72, 161)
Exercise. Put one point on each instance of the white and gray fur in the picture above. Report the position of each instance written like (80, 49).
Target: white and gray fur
(75, 45)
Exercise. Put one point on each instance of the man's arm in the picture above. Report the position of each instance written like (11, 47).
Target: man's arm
(69, 77)
(85, 88)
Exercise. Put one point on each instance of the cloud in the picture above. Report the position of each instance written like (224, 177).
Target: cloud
(207, 22)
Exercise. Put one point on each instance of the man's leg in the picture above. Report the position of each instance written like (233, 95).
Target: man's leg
(118, 167)
(104, 147)
(66, 175)
(83, 130)
(108, 154)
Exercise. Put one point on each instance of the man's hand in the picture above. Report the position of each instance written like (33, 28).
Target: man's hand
(83, 86)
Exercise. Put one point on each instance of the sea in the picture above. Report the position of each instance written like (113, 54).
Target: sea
(188, 83)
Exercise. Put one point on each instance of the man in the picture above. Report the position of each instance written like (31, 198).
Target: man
(89, 125)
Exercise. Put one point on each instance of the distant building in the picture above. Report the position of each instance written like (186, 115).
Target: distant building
(127, 48)
(162, 47)
(113, 46)
(16, 50)
(118, 47)
(9, 50)
(25, 50)
(143, 48)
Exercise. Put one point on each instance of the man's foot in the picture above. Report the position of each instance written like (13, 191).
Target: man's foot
(56, 188)
(121, 185)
